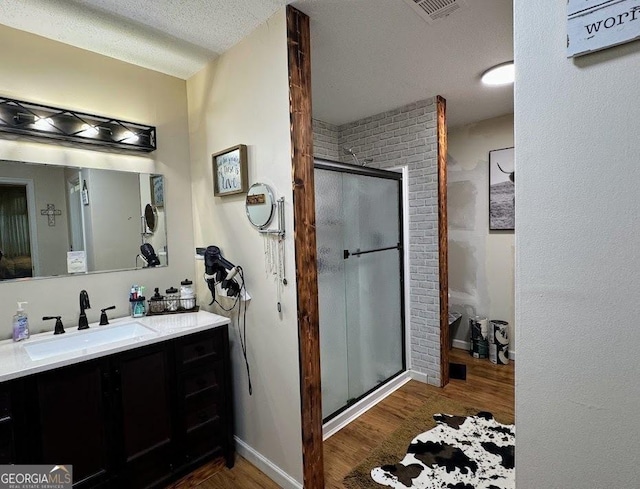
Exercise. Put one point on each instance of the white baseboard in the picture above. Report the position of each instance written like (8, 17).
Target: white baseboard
(419, 376)
(465, 345)
(363, 405)
(271, 470)
(461, 344)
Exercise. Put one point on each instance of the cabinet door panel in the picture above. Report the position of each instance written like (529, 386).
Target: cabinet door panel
(5, 402)
(146, 415)
(73, 420)
(7, 454)
(7, 441)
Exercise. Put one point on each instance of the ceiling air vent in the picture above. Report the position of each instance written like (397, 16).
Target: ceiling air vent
(434, 10)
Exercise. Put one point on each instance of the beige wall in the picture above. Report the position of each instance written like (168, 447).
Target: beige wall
(481, 262)
(243, 98)
(577, 266)
(39, 70)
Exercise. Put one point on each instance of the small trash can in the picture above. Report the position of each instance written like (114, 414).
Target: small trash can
(479, 346)
(499, 342)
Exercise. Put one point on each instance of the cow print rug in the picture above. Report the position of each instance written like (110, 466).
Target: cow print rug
(461, 452)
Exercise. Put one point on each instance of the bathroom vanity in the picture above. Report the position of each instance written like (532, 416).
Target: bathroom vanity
(137, 404)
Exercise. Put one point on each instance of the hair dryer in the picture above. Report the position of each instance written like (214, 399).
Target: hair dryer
(149, 255)
(219, 270)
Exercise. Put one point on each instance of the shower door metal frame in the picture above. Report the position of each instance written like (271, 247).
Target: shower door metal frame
(324, 164)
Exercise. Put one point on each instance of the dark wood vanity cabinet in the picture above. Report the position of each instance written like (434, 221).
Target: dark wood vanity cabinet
(203, 384)
(136, 419)
(7, 438)
(143, 381)
(72, 421)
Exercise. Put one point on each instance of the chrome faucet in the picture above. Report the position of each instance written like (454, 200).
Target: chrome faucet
(84, 304)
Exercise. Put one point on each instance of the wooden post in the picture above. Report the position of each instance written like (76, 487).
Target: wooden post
(443, 240)
(299, 49)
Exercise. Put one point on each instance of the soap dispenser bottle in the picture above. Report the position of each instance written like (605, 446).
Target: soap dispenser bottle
(20, 324)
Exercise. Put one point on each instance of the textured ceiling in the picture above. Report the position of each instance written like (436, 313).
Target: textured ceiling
(176, 37)
(371, 56)
(368, 56)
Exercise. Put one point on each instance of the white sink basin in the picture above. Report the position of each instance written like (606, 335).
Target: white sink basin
(86, 340)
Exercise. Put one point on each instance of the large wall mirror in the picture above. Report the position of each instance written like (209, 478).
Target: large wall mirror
(57, 220)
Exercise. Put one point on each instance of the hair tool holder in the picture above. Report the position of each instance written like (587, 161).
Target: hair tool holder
(260, 207)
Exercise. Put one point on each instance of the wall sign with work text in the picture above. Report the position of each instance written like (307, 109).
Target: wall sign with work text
(593, 25)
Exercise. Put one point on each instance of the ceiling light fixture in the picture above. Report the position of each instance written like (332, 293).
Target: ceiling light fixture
(501, 74)
(30, 119)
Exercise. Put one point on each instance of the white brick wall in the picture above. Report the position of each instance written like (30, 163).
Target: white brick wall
(406, 136)
(325, 140)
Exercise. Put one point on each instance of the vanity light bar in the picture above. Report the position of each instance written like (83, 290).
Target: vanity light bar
(26, 118)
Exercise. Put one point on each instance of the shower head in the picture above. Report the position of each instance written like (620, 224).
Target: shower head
(350, 151)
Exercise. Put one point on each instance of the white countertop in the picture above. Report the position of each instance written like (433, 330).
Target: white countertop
(16, 362)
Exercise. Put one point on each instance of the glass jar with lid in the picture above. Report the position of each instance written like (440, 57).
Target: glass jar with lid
(156, 303)
(171, 299)
(187, 296)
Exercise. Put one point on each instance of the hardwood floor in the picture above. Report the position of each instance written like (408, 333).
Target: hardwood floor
(488, 386)
(215, 475)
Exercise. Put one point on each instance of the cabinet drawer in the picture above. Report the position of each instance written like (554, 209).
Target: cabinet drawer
(7, 455)
(202, 379)
(149, 469)
(203, 441)
(209, 346)
(202, 408)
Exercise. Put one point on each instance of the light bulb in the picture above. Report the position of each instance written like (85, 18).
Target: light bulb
(129, 137)
(43, 123)
(89, 131)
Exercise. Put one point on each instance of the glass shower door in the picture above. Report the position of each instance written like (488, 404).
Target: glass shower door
(330, 229)
(373, 281)
(358, 223)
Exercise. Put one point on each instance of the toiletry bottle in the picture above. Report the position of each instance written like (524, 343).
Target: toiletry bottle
(20, 324)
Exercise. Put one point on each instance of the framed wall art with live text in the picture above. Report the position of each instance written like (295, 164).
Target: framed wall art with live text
(230, 171)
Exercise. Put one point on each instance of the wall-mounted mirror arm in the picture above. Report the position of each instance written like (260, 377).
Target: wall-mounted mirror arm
(145, 232)
(280, 232)
(260, 206)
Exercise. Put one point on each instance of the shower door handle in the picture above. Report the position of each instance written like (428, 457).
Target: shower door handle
(347, 253)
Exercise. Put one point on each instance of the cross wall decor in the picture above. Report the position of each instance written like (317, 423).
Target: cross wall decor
(51, 212)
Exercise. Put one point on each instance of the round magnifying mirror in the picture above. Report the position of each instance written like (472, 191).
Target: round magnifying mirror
(260, 205)
(151, 217)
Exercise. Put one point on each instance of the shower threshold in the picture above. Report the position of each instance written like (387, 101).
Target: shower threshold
(343, 417)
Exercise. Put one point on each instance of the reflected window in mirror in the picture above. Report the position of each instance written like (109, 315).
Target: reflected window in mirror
(57, 220)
